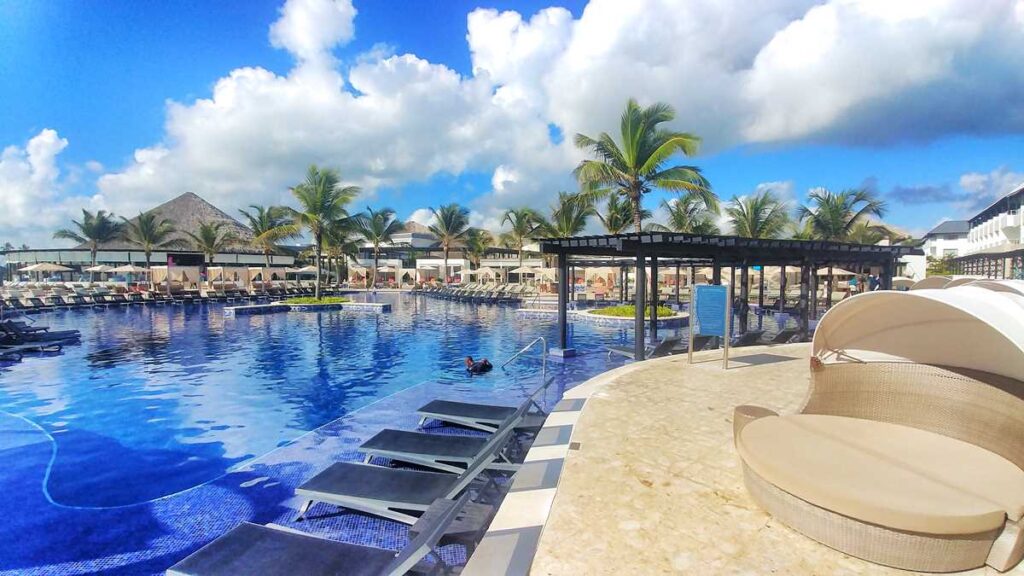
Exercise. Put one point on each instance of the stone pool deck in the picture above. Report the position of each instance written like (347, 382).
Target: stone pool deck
(655, 486)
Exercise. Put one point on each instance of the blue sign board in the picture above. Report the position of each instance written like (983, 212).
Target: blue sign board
(709, 305)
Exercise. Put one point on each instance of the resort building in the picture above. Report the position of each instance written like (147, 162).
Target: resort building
(186, 213)
(947, 240)
(994, 248)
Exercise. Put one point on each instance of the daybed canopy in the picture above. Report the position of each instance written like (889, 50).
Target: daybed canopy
(966, 327)
(931, 282)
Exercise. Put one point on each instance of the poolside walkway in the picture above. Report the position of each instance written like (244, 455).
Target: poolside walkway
(655, 486)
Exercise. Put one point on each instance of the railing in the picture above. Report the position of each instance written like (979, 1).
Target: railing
(543, 361)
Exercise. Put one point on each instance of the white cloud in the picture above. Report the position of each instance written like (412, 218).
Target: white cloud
(309, 29)
(31, 188)
(986, 188)
(422, 216)
(839, 71)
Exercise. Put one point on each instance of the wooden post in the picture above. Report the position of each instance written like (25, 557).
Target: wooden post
(678, 303)
(782, 288)
(639, 303)
(716, 272)
(689, 322)
(805, 280)
(744, 295)
(828, 297)
(760, 290)
(814, 290)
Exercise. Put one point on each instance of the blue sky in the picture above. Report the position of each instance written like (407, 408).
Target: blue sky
(427, 102)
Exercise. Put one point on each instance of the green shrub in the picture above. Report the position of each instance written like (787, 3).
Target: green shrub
(312, 300)
(629, 310)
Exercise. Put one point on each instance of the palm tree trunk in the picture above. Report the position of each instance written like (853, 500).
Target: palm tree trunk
(376, 263)
(149, 267)
(444, 273)
(634, 199)
(317, 249)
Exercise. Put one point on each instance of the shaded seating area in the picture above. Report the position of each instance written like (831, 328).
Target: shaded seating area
(909, 449)
(650, 251)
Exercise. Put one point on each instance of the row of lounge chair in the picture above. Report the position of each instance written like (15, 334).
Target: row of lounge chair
(676, 345)
(430, 501)
(31, 303)
(481, 293)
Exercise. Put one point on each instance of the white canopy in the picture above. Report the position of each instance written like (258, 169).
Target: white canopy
(835, 272)
(902, 282)
(524, 270)
(1007, 286)
(98, 268)
(387, 268)
(931, 282)
(966, 327)
(427, 267)
(960, 282)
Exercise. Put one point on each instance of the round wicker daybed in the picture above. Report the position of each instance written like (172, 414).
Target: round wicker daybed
(909, 450)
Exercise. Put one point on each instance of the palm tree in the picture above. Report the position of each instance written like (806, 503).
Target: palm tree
(801, 230)
(211, 239)
(151, 232)
(523, 225)
(322, 201)
(340, 244)
(450, 227)
(94, 229)
(687, 214)
(8, 246)
(637, 164)
(269, 225)
(833, 215)
(568, 215)
(478, 241)
(761, 215)
(618, 214)
(377, 227)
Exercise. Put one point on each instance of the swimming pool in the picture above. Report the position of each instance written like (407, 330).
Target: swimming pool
(169, 425)
(158, 401)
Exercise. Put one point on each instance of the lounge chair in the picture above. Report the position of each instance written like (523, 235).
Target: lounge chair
(749, 338)
(486, 417)
(20, 336)
(663, 348)
(395, 493)
(276, 551)
(783, 336)
(444, 452)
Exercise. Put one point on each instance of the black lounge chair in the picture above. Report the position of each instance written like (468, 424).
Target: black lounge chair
(663, 348)
(750, 338)
(486, 417)
(393, 493)
(19, 336)
(444, 452)
(784, 336)
(9, 350)
(276, 551)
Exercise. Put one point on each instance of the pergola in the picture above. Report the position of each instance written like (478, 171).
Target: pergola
(654, 249)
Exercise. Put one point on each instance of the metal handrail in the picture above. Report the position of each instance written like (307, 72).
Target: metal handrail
(544, 359)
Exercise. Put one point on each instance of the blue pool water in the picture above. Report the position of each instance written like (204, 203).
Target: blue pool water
(169, 425)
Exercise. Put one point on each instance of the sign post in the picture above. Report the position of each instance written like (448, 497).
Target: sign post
(710, 307)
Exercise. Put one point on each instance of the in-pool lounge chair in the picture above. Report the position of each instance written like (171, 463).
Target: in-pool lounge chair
(445, 452)
(783, 336)
(486, 417)
(394, 493)
(276, 551)
(663, 348)
(749, 338)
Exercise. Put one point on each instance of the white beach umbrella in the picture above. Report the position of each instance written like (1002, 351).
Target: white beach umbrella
(387, 268)
(45, 267)
(126, 269)
(99, 268)
(428, 267)
(485, 271)
(524, 270)
(835, 272)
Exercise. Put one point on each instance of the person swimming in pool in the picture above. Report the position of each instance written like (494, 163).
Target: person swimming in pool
(480, 367)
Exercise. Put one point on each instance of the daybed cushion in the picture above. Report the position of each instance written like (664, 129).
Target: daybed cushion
(887, 474)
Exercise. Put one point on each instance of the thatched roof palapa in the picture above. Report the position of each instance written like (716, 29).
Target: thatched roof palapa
(186, 213)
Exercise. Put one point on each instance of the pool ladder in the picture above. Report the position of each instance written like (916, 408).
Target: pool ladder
(543, 360)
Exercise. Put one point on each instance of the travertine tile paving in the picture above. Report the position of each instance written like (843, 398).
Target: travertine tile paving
(656, 486)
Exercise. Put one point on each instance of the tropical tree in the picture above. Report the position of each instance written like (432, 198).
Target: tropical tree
(832, 215)
(801, 230)
(211, 238)
(523, 226)
(322, 200)
(478, 241)
(865, 232)
(568, 215)
(637, 163)
(377, 227)
(760, 215)
(341, 244)
(8, 246)
(269, 225)
(93, 229)
(450, 226)
(687, 214)
(618, 214)
(151, 232)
